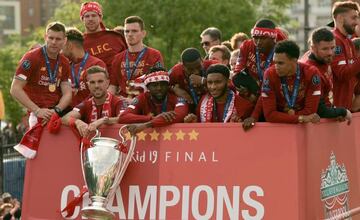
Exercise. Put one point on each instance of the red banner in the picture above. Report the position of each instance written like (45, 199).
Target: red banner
(212, 171)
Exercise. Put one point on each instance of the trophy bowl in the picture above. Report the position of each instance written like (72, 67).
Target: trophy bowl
(103, 166)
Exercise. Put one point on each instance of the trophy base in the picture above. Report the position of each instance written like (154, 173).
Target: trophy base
(97, 213)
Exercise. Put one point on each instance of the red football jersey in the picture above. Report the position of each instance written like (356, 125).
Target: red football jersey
(81, 93)
(119, 77)
(345, 67)
(104, 45)
(177, 76)
(85, 108)
(247, 59)
(325, 75)
(143, 109)
(243, 108)
(32, 68)
(307, 100)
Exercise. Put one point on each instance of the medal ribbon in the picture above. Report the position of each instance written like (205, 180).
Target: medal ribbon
(291, 102)
(77, 77)
(269, 58)
(192, 89)
(130, 72)
(226, 108)
(52, 75)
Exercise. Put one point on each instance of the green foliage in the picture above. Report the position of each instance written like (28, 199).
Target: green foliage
(9, 57)
(68, 13)
(172, 26)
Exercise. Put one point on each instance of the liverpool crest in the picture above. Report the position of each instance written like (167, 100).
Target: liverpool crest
(334, 189)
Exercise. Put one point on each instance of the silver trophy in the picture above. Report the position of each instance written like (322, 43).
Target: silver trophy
(103, 166)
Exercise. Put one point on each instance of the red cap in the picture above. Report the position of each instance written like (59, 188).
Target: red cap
(90, 6)
(263, 32)
(281, 35)
(157, 77)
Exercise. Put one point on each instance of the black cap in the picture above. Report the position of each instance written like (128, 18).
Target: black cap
(244, 80)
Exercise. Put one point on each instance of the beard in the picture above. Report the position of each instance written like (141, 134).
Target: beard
(223, 92)
(350, 30)
(327, 60)
(92, 27)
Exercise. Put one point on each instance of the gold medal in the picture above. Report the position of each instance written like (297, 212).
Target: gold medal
(52, 87)
(291, 112)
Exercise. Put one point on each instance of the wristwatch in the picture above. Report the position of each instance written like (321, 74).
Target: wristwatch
(58, 110)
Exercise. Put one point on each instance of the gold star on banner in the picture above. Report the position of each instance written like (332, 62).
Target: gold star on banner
(154, 135)
(141, 136)
(180, 135)
(127, 136)
(193, 135)
(167, 135)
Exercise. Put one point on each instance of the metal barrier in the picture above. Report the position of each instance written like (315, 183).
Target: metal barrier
(13, 171)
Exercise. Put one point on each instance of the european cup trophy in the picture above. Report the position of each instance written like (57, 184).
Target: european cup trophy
(103, 165)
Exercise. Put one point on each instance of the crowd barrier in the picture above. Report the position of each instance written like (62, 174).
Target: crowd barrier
(212, 171)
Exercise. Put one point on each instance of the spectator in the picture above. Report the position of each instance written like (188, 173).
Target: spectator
(237, 39)
(210, 37)
(233, 57)
(227, 44)
(9, 134)
(220, 53)
(10, 209)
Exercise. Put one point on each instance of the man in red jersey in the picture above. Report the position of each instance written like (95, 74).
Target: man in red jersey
(101, 108)
(346, 64)
(41, 82)
(98, 41)
(135, 61)
(320, 56)
(256, 55)
(80, 61)
(188, 77)
(356, 101)
(291, 90)
(156, 107)
(220, 104)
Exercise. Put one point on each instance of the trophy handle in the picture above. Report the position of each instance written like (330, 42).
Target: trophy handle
(125, 162)
(97, 134)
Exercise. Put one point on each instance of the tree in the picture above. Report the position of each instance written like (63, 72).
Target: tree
(174, 25)
(9, 56)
